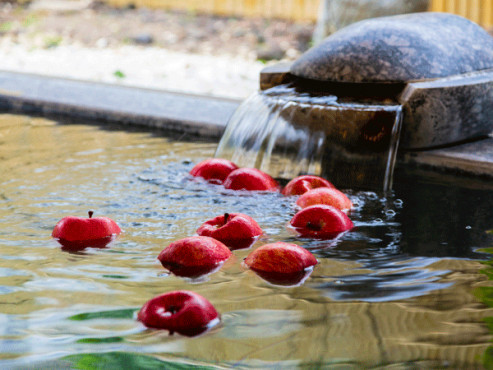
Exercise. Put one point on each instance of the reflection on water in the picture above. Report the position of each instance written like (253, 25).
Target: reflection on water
(396, 290)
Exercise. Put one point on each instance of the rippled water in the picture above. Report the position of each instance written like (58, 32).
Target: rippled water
(399, 289)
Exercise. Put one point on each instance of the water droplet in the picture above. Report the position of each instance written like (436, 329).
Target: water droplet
(390, 213)
(398, 203)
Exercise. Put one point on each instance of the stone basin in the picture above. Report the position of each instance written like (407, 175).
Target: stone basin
(438, 66)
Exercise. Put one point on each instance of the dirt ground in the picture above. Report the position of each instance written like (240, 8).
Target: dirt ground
(44, 24)
(176, 51)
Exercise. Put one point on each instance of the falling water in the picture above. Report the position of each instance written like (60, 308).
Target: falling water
(287, 133)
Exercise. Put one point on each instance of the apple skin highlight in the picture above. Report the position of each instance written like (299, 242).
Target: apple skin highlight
(327, 196)
(73, 228)
(301, 184)
(180, 311)
(231, 228)
(250, 179)
(194, 256)
(280, 257)
(321, 222)
(214, 170)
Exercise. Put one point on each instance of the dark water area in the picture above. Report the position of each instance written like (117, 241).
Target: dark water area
(399, 289)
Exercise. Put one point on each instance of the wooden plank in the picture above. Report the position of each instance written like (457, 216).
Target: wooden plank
(474, 13)
(487, 13)
(437, 6)
(480, 11)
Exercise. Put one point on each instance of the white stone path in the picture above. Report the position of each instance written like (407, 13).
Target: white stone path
(148, 67)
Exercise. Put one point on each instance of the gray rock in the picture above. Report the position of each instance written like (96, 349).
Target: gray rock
(336, 14)
(400, 49)
(270, 52)
(447, 110)
(143, 39)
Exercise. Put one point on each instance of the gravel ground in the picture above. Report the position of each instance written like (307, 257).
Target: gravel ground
(149, 48)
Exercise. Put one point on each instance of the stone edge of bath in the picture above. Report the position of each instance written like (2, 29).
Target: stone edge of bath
(195, 115)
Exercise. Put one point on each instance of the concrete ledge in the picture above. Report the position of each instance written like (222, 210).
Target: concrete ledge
(194, 115)
(474, 158)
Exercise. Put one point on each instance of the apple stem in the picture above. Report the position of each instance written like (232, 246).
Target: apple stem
(90, 213)
(226, 216)
(313, 227)
(173, 309)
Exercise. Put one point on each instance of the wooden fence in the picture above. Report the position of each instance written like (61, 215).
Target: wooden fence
(479, 11)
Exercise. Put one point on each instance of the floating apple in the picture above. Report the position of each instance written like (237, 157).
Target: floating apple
(194, 256)
(328, 196)
(279, 278)
(302, 184)
(180, 311)
(236, 230)
(78, 232)
(214, 170)
(250, 179)
(280, 257)
(321, 221)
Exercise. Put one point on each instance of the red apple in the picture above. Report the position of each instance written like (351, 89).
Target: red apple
(194, 256)
(83, 232)
(302, 184)
(236, 230)
(279, 278)
(280, 257)
(180, 311)
(214, 170)
(321, 221)
(328, 196)
(80, 245)
(250, 179)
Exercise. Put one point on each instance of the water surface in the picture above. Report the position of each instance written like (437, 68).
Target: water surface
(398, 289)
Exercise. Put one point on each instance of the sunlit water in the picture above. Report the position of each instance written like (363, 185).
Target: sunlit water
(398, 289)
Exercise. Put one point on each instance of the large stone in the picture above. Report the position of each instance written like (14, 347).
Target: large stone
(447, 110)
(336, 14)
(399, 49)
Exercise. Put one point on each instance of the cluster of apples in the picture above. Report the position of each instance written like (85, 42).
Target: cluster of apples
(323, 206)
(188, 313)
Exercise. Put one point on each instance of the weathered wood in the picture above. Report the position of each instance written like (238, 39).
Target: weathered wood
(479, 11)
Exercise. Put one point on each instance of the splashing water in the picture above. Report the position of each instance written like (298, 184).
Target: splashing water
(287, 133)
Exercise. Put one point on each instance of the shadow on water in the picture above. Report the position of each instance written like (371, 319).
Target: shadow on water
(444, 217)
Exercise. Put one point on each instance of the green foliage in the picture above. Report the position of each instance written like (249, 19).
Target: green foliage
(6, 26)
(115, 276)
(101, 340)
(119, 74)
(30, 20)
(52, 41)
(488, 358)
(122, 360)
(485, 295)
(114, 314)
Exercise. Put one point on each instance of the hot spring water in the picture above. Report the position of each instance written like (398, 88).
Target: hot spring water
(403, 288)
(287, 133)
